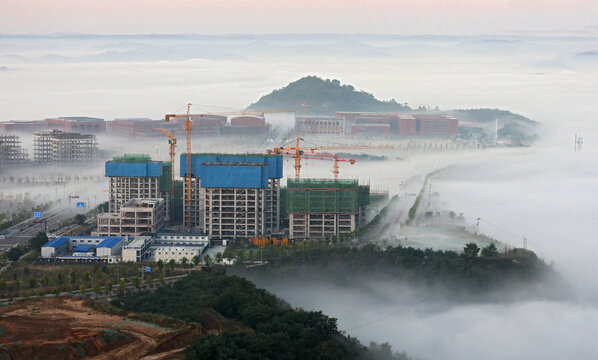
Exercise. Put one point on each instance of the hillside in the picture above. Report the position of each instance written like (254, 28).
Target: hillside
(324, 97)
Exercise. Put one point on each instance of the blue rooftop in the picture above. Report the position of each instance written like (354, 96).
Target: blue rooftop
(57, 242)
(110, 242)
(84, 248)
(233, 171)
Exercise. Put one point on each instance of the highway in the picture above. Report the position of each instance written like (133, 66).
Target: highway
(28, 228)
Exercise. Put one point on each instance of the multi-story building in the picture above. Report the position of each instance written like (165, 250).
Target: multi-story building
(320, 208)
(373, 123)
(56, 146)
(11, 151)
(436, 125)
(30, 127)
(234, 196)
(319, 125)
(77, 124)
(135, 217)
(137, 177)
(135, 127)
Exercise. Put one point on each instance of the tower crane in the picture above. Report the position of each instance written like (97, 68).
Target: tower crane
(172, 142)
(188, 123)
(299, 151)
(323, 156)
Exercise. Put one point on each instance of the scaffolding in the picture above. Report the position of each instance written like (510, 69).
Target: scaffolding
(319, 208)
(11, 151)
(58, 146)
(322, 196)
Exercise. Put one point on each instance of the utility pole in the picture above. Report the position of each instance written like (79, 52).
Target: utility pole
(525, 242)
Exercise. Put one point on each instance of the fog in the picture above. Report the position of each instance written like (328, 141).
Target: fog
(547, 192)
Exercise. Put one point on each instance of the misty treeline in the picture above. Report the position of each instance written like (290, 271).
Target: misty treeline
(472, 273)
(254, 324)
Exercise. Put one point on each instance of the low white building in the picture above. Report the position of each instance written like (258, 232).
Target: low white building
(136, 250)
(136, 216)
(110, 249)
(55, 247)
(176, 253)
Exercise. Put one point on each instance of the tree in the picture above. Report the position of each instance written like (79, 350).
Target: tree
(45, 280)
(184, 262)
(18, 283)
(207, 259)
(161, 279)
(86, 277)
(196, 260)
(55, 290)
(32, 283)
(171, 264)
(14, 253)
(99, 274)
(2, 285)
(122, 285)
(471, 250)
(109, 286)
(73, 277)
(36, 242)
(61, 278)
(218, 258)
(160, 264)
(240, 255)
(112, 272)
(80, 219)
(82, 289)
(97, 288)
(69, 288)
(149, 280)
(136, 282)
(490, 251)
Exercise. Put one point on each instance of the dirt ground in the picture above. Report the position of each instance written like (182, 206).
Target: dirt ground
(67, 328)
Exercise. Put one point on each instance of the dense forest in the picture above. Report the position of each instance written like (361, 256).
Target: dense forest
(269, 327)
(473, 275)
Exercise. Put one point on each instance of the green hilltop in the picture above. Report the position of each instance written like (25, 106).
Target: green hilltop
(325, 97)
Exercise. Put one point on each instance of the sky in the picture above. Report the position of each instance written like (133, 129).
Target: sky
(469, 17)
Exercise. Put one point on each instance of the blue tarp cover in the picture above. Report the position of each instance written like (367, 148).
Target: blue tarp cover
(145, 169)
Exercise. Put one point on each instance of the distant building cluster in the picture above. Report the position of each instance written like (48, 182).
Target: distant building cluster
(57, 146)
(378, 124)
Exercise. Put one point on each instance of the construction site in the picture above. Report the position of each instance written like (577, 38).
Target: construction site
(57, 146)
(11, 151)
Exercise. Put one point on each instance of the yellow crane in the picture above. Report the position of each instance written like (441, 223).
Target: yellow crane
(298, 150)
(188, 123)
(172, 142)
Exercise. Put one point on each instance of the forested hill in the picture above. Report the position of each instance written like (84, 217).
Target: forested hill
(265, 327)
(324, 97)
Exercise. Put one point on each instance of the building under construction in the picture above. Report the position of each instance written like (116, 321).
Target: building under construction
(234, 196)
(134, 176)
(11, 151)
(56, 146)
(136, 216)
(320, 208)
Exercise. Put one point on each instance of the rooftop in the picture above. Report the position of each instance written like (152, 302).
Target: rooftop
(79, 118)
(57, 242)
(110, 242)
(84, 248)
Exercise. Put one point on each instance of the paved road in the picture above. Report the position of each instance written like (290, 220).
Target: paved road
(28, 228)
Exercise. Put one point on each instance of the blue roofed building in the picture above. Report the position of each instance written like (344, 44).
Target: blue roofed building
(137, 176)
(234, 196)
(84, 248)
